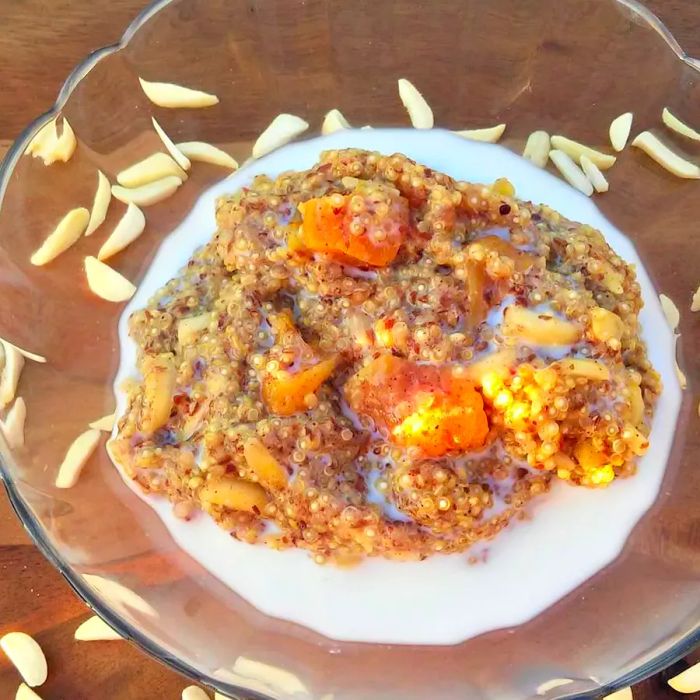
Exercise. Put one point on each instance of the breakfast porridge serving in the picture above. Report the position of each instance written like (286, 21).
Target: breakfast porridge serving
(371, 358)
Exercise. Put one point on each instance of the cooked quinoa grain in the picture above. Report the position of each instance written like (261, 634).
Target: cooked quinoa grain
(380, 360)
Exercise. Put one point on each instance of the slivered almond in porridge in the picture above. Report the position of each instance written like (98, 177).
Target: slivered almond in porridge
(373, 321)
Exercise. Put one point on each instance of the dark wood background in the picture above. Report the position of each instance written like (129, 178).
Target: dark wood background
(40, 42)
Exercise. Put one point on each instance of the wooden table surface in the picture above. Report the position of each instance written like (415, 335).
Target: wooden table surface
(40, 42)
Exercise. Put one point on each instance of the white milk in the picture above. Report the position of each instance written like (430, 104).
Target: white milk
(574, 532)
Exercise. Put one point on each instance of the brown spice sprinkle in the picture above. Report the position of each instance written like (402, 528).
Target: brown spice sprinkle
(335, 362)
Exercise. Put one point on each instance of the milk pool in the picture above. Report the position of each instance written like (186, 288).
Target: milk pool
(574, 532)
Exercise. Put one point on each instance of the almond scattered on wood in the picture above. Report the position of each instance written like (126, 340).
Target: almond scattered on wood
(207, 153)
(620, 130)
(129, 228)
(282, 129)
(76, 458)
(106, 282)
(95, 629)
(100, 204)
(175, 96)
(26, 655)
(69, 230)
(665, 157)
(490, 134)
(418, 109)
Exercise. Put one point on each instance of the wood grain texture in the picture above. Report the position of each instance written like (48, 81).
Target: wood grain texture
(40, 42)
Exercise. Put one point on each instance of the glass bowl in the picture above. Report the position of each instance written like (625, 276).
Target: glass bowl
(566, 66)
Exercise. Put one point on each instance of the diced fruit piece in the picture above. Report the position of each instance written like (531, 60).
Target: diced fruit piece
(234, 493)
(588, 456)
(538, 328)
(263, 464)
(499, 363)
(436, 409)
(159, 375)
(284, 392)
(371, 236)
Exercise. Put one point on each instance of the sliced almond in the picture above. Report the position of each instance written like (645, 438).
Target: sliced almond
(206, 153)
(100, 204)
(155, 167)
(77, 456)
(29, 355)
(51, 147)
(13, 425)
(623, 694)
(68, 231)
(490, 135)
(149, 194)
(106, 423)
(221, 696)
(675, 124)
(695, 303)
(594, 174)
(129, 228)
(665, 157)
(180, 158)
(620, 128)
(571, 172)
(176, 96)
(537, 148)
(682, 379)
(95, 629)
(575, 150)
(193, 692)
(418, 109)
(334, 121)
(26, 655)
(688, 681)
(282, 129)
(45, 137)
(106, 282)
(13, 362)
(65, 145)
(673, 315)
(24, 692)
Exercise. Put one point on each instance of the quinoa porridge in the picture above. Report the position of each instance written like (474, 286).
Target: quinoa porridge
(369, 354)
